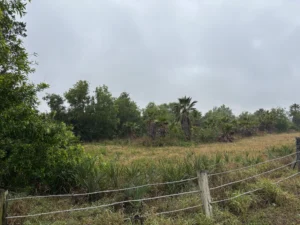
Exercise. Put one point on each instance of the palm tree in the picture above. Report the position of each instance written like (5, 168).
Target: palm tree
(183, 108)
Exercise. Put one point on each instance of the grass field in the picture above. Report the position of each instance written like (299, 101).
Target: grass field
(126, 166)
(128, 154)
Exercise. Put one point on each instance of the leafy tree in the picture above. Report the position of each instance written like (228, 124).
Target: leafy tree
(79, 100)
(281, 120)
(295, 114)
(128, 115)
(183, 109)
(105, 114)
(222, 121)
(266, 120)
(56, 104)
(34, 150)
(78, 96)
(247, 124)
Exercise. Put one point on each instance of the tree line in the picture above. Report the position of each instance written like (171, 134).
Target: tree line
(102, 116)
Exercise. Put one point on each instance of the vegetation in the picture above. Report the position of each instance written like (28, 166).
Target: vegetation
(35, 150)
(103, 117)
(40, 153)
(110, 171)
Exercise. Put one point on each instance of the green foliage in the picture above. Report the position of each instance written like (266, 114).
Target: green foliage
(274, 120)
(93, 117)
(205, 134)
(183, 110)
(281, 120)
(104, 113)
(129, 116)
(35, 150)
(220, 119)
(247, 124)
(271, 193)
(89, 174)
(295, 114)
(240, 205)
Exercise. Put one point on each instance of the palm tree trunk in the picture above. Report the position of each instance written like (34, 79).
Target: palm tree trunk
(186, 127)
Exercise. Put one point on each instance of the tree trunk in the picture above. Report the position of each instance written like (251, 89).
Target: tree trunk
(186, 127)
(152, 130)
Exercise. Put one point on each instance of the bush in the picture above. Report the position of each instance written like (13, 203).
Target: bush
(206, 135)
(241, 204)
(41, 155)
(271, 193)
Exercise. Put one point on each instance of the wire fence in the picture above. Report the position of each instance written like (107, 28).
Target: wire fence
(248, 178)
(105, 205)
(252, 191)
(161, 196)
(104, 191)
(254, 165)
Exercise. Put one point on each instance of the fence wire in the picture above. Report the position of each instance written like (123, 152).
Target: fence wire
(104, 191)
(102, 206)
(158, 197)
(249, 192)
(248, 178)
(178, 210)
(247, 167)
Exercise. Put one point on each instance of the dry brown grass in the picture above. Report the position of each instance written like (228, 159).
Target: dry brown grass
(128, 154)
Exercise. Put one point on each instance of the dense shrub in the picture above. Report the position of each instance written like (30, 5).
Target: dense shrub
(208, 134)
(35, 151)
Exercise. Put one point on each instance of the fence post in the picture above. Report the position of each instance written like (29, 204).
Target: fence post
(3, 195)
(204, 192)
(297, 153)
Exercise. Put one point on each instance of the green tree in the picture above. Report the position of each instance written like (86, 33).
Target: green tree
(78, 96)
(34, 150)
(221, 121)
(56, 105)
(281, 119)
(247, 124)
(79, 101)
(129, 116)
(183, 110)
(295, 114)
(105, 114)
(156, 119)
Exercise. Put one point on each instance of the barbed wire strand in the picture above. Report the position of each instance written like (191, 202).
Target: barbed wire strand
(178, 210)
(249, 192)
(104, 191)
(102, 206)
(247, 167)
(293, 175)
(248, 178)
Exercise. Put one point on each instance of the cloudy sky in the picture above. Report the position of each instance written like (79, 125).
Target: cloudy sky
(245, 54)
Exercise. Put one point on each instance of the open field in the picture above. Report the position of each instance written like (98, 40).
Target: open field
(127, 166)
(127, 154)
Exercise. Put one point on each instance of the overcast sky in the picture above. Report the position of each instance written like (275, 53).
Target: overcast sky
(244, 54)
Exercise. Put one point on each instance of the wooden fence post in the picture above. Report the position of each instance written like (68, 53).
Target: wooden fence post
(297, 154)
(204, 192)
(3, 195)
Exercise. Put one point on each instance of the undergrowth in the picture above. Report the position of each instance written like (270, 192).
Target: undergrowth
(96, 174)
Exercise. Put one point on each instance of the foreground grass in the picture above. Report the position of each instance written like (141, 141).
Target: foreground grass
(130, 166)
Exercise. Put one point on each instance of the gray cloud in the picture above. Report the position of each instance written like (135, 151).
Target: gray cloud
(242, 54)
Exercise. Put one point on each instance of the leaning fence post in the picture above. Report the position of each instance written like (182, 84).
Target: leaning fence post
(297, 153)
(3, 195)
(204, 192)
